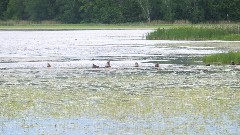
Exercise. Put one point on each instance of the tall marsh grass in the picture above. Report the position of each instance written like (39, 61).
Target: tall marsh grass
(223, 58)
(231, 33)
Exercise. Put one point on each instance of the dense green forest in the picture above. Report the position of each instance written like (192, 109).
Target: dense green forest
(120, 11)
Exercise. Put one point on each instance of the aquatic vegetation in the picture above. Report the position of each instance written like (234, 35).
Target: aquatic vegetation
(72, 97)
(121, 101)
(197, 33)
(223, 58)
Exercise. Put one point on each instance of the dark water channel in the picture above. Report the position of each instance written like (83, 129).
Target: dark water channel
(182, 96)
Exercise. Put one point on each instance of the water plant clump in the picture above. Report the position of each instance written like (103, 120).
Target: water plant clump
(197, 33)
(223, 58)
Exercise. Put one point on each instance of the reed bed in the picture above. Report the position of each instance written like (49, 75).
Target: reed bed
(223, 58)
(231, 33)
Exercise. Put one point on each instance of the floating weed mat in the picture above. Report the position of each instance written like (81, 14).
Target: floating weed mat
(114, 104)
(223, 58)
(196, 33)
(79, 110)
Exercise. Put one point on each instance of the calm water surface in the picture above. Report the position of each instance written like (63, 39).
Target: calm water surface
(182, 96)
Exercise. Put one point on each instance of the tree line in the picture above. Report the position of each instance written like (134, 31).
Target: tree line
(120, 11)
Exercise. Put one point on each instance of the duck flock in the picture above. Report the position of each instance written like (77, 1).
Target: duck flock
(108, 65)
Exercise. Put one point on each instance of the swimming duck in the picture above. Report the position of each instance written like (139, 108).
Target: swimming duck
(95, 66)
(48, 65)
(136, 65)
(108, 64)
(157, 65)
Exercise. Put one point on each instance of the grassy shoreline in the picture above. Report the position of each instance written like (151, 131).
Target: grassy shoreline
(86, 26)
(194, 32)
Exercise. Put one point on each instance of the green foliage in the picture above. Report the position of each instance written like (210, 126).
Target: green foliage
(3, 8)
(15, 10)
(131, 11)
(196, 33)
(120, 11)
(37, 9)
(167, 10)
(223, 58)
(68, 11)
(108, 11)
(101, 11)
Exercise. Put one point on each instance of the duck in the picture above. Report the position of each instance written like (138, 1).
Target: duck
(232, 63)
(157, 65)
(136, 64)
(48, 65)
(95, 66)
(108, 64)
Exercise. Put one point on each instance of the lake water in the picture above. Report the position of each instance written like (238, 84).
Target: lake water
(182, 96)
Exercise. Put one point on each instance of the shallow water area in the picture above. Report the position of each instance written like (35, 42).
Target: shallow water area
(182, 96)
